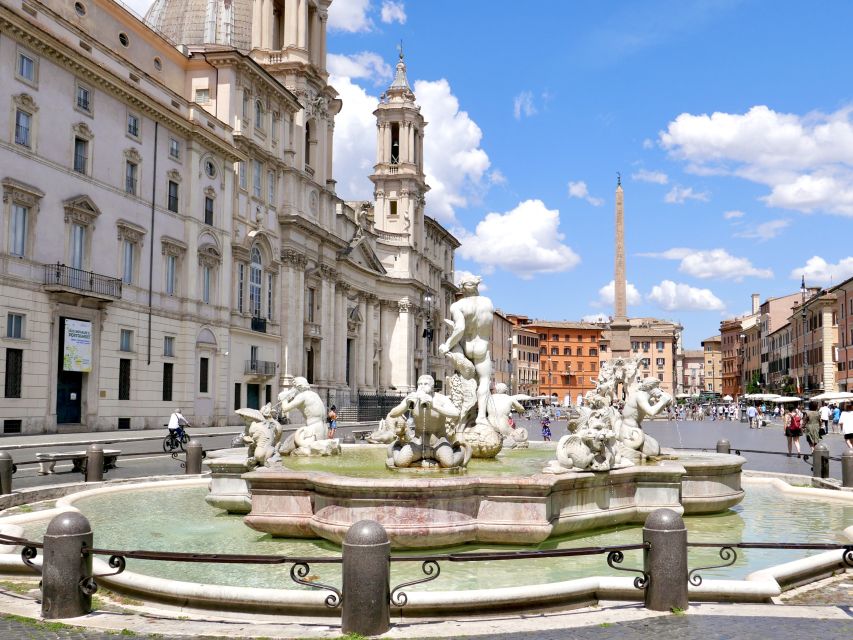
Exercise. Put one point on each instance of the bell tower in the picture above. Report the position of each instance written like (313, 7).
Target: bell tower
(398, 177)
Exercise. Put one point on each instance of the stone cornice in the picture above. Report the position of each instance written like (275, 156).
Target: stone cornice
(48, 46)
(130, 232)
(20, 193)
(172, 247)
(292, 258)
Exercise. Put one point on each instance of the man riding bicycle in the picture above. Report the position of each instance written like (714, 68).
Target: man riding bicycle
(177, 420)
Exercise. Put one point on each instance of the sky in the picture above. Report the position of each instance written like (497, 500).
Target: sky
(730, 122)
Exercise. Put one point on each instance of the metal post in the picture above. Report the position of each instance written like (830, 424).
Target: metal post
(366, 579)
(64, 567)
(194, 456)
(665, 561)
(7, 468)
(724, 446)
(847, 468)
(94, 463)
(820, 461)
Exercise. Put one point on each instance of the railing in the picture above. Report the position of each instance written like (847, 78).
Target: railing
(259, 324)
(64, 276)
(312, 330)
(260, 368)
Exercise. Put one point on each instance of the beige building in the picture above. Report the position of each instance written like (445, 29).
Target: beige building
(694, 372)
(844, 316)
(814, 339)
(713, 367)
(657, 343)
(502, 351)
(779, 379)
(525, 361)
(170, 232)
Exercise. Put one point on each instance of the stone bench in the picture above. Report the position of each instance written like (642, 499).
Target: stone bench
(77, 458)
(361, 434)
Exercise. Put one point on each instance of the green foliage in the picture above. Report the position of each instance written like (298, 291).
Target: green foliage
(48, 626)
(677, 611)
(754, 386)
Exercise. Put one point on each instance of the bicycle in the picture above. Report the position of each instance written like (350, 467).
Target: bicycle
(175, 439)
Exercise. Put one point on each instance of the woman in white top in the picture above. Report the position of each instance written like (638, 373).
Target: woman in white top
(846, 424)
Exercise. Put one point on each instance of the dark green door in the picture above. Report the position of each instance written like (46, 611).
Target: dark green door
(69, 387)
(253, 396)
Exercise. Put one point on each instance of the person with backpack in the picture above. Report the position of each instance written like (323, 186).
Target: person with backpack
(332, 417)
(793, 430)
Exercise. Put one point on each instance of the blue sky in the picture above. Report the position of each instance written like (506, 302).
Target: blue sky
(731, 123)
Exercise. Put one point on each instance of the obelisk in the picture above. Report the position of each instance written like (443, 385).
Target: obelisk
(620, 340)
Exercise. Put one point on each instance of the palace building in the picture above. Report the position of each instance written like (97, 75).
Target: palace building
(170, 232)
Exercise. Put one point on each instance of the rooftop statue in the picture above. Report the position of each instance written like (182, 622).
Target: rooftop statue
(310, 439)
(424, 439)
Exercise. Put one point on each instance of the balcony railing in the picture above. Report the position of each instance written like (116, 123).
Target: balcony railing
(259, 368)
(60, 276)
(259, 324)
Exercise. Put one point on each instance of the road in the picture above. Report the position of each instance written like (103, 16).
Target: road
(142, 453)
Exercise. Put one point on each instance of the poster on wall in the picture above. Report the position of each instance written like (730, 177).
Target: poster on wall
(77, 355)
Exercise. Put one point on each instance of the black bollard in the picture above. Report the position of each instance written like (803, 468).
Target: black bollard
(820, 461)
(847, 468)
(7, 468)
(194, 456)
(665, 561)
(94, 463)
(366, 579)
(723, 446)
(64, 567)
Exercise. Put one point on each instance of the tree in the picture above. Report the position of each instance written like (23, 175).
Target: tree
(754, 385)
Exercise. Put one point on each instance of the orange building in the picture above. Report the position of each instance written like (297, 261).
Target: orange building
(568, 358)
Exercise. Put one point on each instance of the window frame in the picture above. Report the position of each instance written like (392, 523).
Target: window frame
(28, 144)
(89, 109)
(23, 52)
(174, 145)
(129, 131)
(14, 229)
(10, 324)
(125, 342)
(75, 166)
(134, 185)
(173, 200)
(168, 346)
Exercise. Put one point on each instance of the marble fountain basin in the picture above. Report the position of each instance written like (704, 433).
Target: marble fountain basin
(482, 506)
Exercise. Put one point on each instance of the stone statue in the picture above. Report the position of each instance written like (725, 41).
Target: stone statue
(501, 404)
(310, 439)
(645, 400)
(424, 439)
(468, 343)
(262, 434)
(386, 432)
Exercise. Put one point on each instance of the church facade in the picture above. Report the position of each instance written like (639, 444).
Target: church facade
(170, 234)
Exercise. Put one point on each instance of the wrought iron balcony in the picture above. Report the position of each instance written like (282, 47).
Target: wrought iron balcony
(60, 277)
(261, 368)
(259, 324)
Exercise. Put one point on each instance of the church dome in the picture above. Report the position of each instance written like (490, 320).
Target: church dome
(200, 22)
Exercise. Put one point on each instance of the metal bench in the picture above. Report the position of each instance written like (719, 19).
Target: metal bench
(362, 434)
(78, 460)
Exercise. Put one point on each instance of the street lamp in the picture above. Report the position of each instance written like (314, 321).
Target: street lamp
(509, 360)
(742, 354)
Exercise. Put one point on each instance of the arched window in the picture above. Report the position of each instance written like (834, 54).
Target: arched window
(307, 144)
(255, 272)
(259, 114)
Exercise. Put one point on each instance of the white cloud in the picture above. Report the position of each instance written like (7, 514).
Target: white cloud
(522, 105)
(366, 64)
(350, 15)
(525, 241)
(656, 177)
(648, 144)
(453, 160)
(393, 12)
(806, 161)
(496, 176)
(607, 295)
(680, 195)
(734, 213)
(459, 274)
(713, 263)
(579, 190)
(819, 271)
(456, 167)
(596, 318)
(355, 140)
(676, 296)
(765, 230)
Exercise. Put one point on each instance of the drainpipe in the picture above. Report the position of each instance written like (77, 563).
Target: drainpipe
(151, 244)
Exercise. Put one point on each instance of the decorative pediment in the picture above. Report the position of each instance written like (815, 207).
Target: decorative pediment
(239, 252)
(210, 192)
(81, 210)
(20, 193)
(26, 102)
(174, 175)
(130, 232)
(132, 154)
(293, 258)
(172, 247)
(83, 130)
(209, 256)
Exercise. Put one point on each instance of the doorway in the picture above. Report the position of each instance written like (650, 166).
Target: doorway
(253, 396)
(69, 386)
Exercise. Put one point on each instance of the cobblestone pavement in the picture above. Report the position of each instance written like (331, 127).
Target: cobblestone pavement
(836, 591)
(673, 627)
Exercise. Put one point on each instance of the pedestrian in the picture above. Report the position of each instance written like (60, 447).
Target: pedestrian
(836, 418)
(332, 417)
(546, 428)
(845, 423)
(825, 415)
(776, 412)
(752, 416)
(812, 421)
(793, 430)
